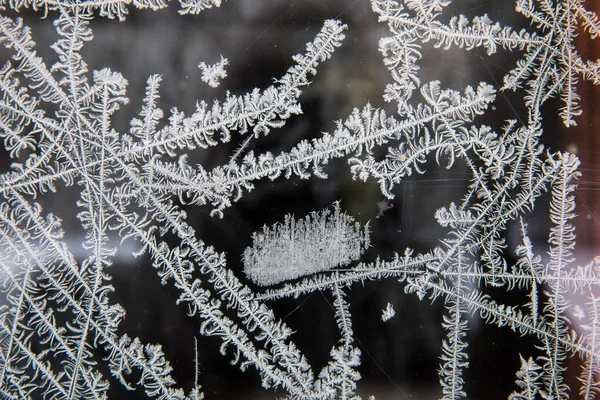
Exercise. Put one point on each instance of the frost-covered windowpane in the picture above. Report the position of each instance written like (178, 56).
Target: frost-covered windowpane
(362, 199)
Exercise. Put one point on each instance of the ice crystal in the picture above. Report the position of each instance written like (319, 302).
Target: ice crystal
(58, 321)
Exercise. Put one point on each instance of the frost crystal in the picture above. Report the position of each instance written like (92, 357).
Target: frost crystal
(61, 331)
(212, 74)
(294, 248)
(388, 312)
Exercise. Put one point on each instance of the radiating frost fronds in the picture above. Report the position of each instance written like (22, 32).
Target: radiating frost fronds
(550, 66)
(59, 320)
(79, 146)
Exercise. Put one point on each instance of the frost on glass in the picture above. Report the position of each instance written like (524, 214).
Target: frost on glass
(298, 247)
(56, 311)
(212, 74)
(388, 312)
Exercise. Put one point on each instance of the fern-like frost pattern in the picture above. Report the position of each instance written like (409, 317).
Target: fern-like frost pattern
(56, 310)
